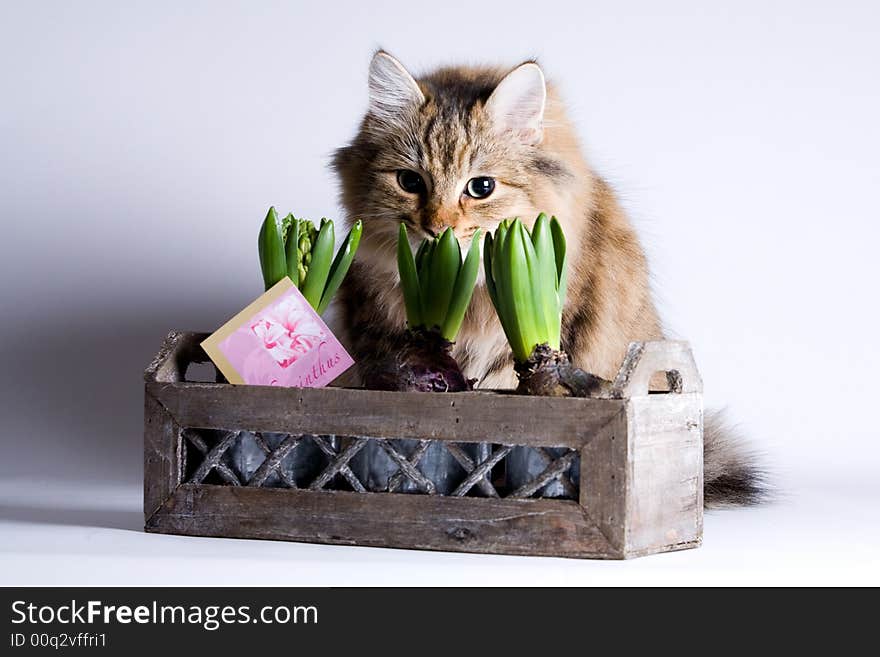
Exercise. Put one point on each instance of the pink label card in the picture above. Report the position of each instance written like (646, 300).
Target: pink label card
(278, 340)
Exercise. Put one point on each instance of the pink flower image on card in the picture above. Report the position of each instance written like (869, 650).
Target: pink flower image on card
(284, 343)
(286, 330)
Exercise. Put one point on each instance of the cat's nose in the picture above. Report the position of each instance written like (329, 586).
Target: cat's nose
(436, 230)
(437, 222)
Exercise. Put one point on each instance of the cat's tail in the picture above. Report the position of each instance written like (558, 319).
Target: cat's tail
(731, 473)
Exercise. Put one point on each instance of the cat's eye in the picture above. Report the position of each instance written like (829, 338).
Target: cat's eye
(410, 181)
(480, 187)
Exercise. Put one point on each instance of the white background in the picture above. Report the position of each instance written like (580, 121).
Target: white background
(142, 143)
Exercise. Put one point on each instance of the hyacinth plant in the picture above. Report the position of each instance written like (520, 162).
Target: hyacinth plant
(526, 277)
(437, 289)
(304, 252)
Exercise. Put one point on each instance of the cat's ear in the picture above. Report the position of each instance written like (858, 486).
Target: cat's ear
(517, 104)
(393, 91)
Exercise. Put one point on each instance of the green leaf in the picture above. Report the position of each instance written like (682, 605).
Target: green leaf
(561, 264)
(541, 320)
(463, 290)
(545, 282)
(424, 246)
(291, 249)
(488, 243)
(500, 238)
(319, 267)
(409, 279)
(525, 276)
(271, 250)
(518, 292)
(445, 263)
(558, 246)
(506, 314)
(495, 271)
(424, 269)
(341, 264)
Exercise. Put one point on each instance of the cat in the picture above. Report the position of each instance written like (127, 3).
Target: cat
(467, 148)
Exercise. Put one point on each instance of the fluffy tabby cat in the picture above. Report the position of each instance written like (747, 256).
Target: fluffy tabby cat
(468, 147)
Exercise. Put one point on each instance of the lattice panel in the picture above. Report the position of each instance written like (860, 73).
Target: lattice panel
(376, 465)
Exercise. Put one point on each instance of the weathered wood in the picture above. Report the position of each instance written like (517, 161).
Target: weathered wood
(603, 478)
(664, 477)
(640, 487)
(273, 461)
(567, 487)
(553, 471)
(397, 480)
(641, 477)
(481, 470)
(424, 522)
(179, 349)
(645, 359)
(212, 458)
(221, 468)
(340, 461)
(408, 468)
(344, 470)
(468, 464)
(162, 455)
(457, 417)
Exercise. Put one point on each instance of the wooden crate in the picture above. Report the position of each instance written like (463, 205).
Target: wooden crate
(638, 490)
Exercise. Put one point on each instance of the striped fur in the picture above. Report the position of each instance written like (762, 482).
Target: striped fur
(447, 129)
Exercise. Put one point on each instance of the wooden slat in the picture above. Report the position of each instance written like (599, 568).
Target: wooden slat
(459, 417)
(468, 465)
(162, 455)
(273, 461)
(412, 473)
(604, 474)
(190, 436)
(212, 458)
(338, 463)
(344, 470)
(570, 490)
(553, 471)
(399, 478)
(481, 470)
(425, 522)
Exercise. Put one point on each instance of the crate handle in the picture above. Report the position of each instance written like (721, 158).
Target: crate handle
(644, 360)
(179, 349)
